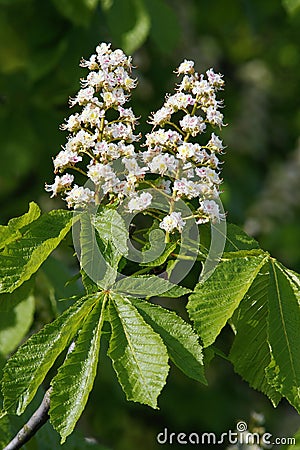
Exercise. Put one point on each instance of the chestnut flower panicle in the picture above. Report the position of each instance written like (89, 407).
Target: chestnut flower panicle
(193, 169)
(176, 159)
(102, 133)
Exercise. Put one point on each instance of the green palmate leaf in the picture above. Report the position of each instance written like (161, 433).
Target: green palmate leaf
(237, 239)
(284, 325)
(242, 254)
(27, 368)
(15, 324)
(294, 277)
(148, 286)
(10, 232)
(75, 378)
(214, 301)
(99, 259)
(33, 213)
(89, 286)
(92, 261)
(111, 228)
(179, 337)
(170, 247)
(139, 355)
(250, 352)
(23, 257)
(176, 291)
(234, 237)
(154, 245)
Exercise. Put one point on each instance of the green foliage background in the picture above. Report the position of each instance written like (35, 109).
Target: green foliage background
(256, 44)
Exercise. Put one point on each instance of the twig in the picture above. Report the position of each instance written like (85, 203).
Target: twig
(36, 421)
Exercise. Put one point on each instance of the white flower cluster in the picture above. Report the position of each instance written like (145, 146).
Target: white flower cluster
(101, 142)
(192, 168)
(102, 134)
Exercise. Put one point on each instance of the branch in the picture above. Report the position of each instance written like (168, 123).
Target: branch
(36, 421)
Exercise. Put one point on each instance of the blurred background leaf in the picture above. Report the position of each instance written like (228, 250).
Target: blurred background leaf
(129, 23)
(79, 12)
(292, 6)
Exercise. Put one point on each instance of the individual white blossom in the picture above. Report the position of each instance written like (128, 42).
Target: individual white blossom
(201, 156)
(72, 123)
(186, 67)
(172, 221)
(83, 96)
(64, 159)
(101, 173)
(126, 149)
(187, 150)
(125, 189)
(215, 79)
(139, 203)
(186, 83)
(79, 197)
(163, 164)
(211, 211)
(214, 161)
(113, 98)
(215, 143)
(202, 88)
(128, 115)
(133, 168)
(179, 101)
(214, 116)
(208, 175)
(164, 185)
(91, 64)
(82, 140)
(94, 79)
(91, 115)
(60, 184)
(163, 138)
(193, 124)
(119, 131)
(161, 116)
(188, 188)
